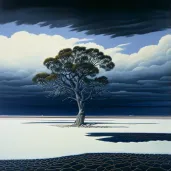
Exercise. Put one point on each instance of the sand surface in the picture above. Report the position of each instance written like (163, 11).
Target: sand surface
(36, 138)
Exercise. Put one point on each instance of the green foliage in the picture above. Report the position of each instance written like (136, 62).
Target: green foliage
(48, 61)
(103, 80)
(41, 77)
(76, 71)
(65, 53)
(51, 77)
(79, 60)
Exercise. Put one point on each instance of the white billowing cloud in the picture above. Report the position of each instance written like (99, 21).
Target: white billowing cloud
(149, 60)
(85, 40)
(108, 51)
(26, 51)
(147, 56)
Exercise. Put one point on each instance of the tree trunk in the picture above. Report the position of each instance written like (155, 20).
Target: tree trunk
(80, 118)
(81, 115)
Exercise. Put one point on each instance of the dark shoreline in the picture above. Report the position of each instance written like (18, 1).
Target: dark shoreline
(93, 162)
(88, 117)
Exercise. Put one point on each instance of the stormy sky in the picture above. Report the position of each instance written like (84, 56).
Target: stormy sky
(136, 35)
(109, 17)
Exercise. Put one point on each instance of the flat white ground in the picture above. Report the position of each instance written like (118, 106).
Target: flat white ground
(19, 140)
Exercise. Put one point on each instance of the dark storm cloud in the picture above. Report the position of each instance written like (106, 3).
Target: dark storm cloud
(109, 17)
(26, 98)
(109, 4)
(142, 87)
(17, 84)
(166, 78)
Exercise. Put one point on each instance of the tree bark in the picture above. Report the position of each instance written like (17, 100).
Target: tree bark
(80, 118)
(81, 114)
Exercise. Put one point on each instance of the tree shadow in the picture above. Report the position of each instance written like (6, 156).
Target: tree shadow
(85, 125)
(131, 137)
(91, 123)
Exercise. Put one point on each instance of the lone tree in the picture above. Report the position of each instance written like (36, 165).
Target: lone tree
(74, 74)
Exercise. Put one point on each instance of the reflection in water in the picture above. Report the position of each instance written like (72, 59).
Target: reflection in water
(131, 137)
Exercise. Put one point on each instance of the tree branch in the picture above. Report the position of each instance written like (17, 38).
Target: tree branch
(69, 98)
(89, 96)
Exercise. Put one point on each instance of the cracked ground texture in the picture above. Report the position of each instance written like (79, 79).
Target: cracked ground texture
(92, 162)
